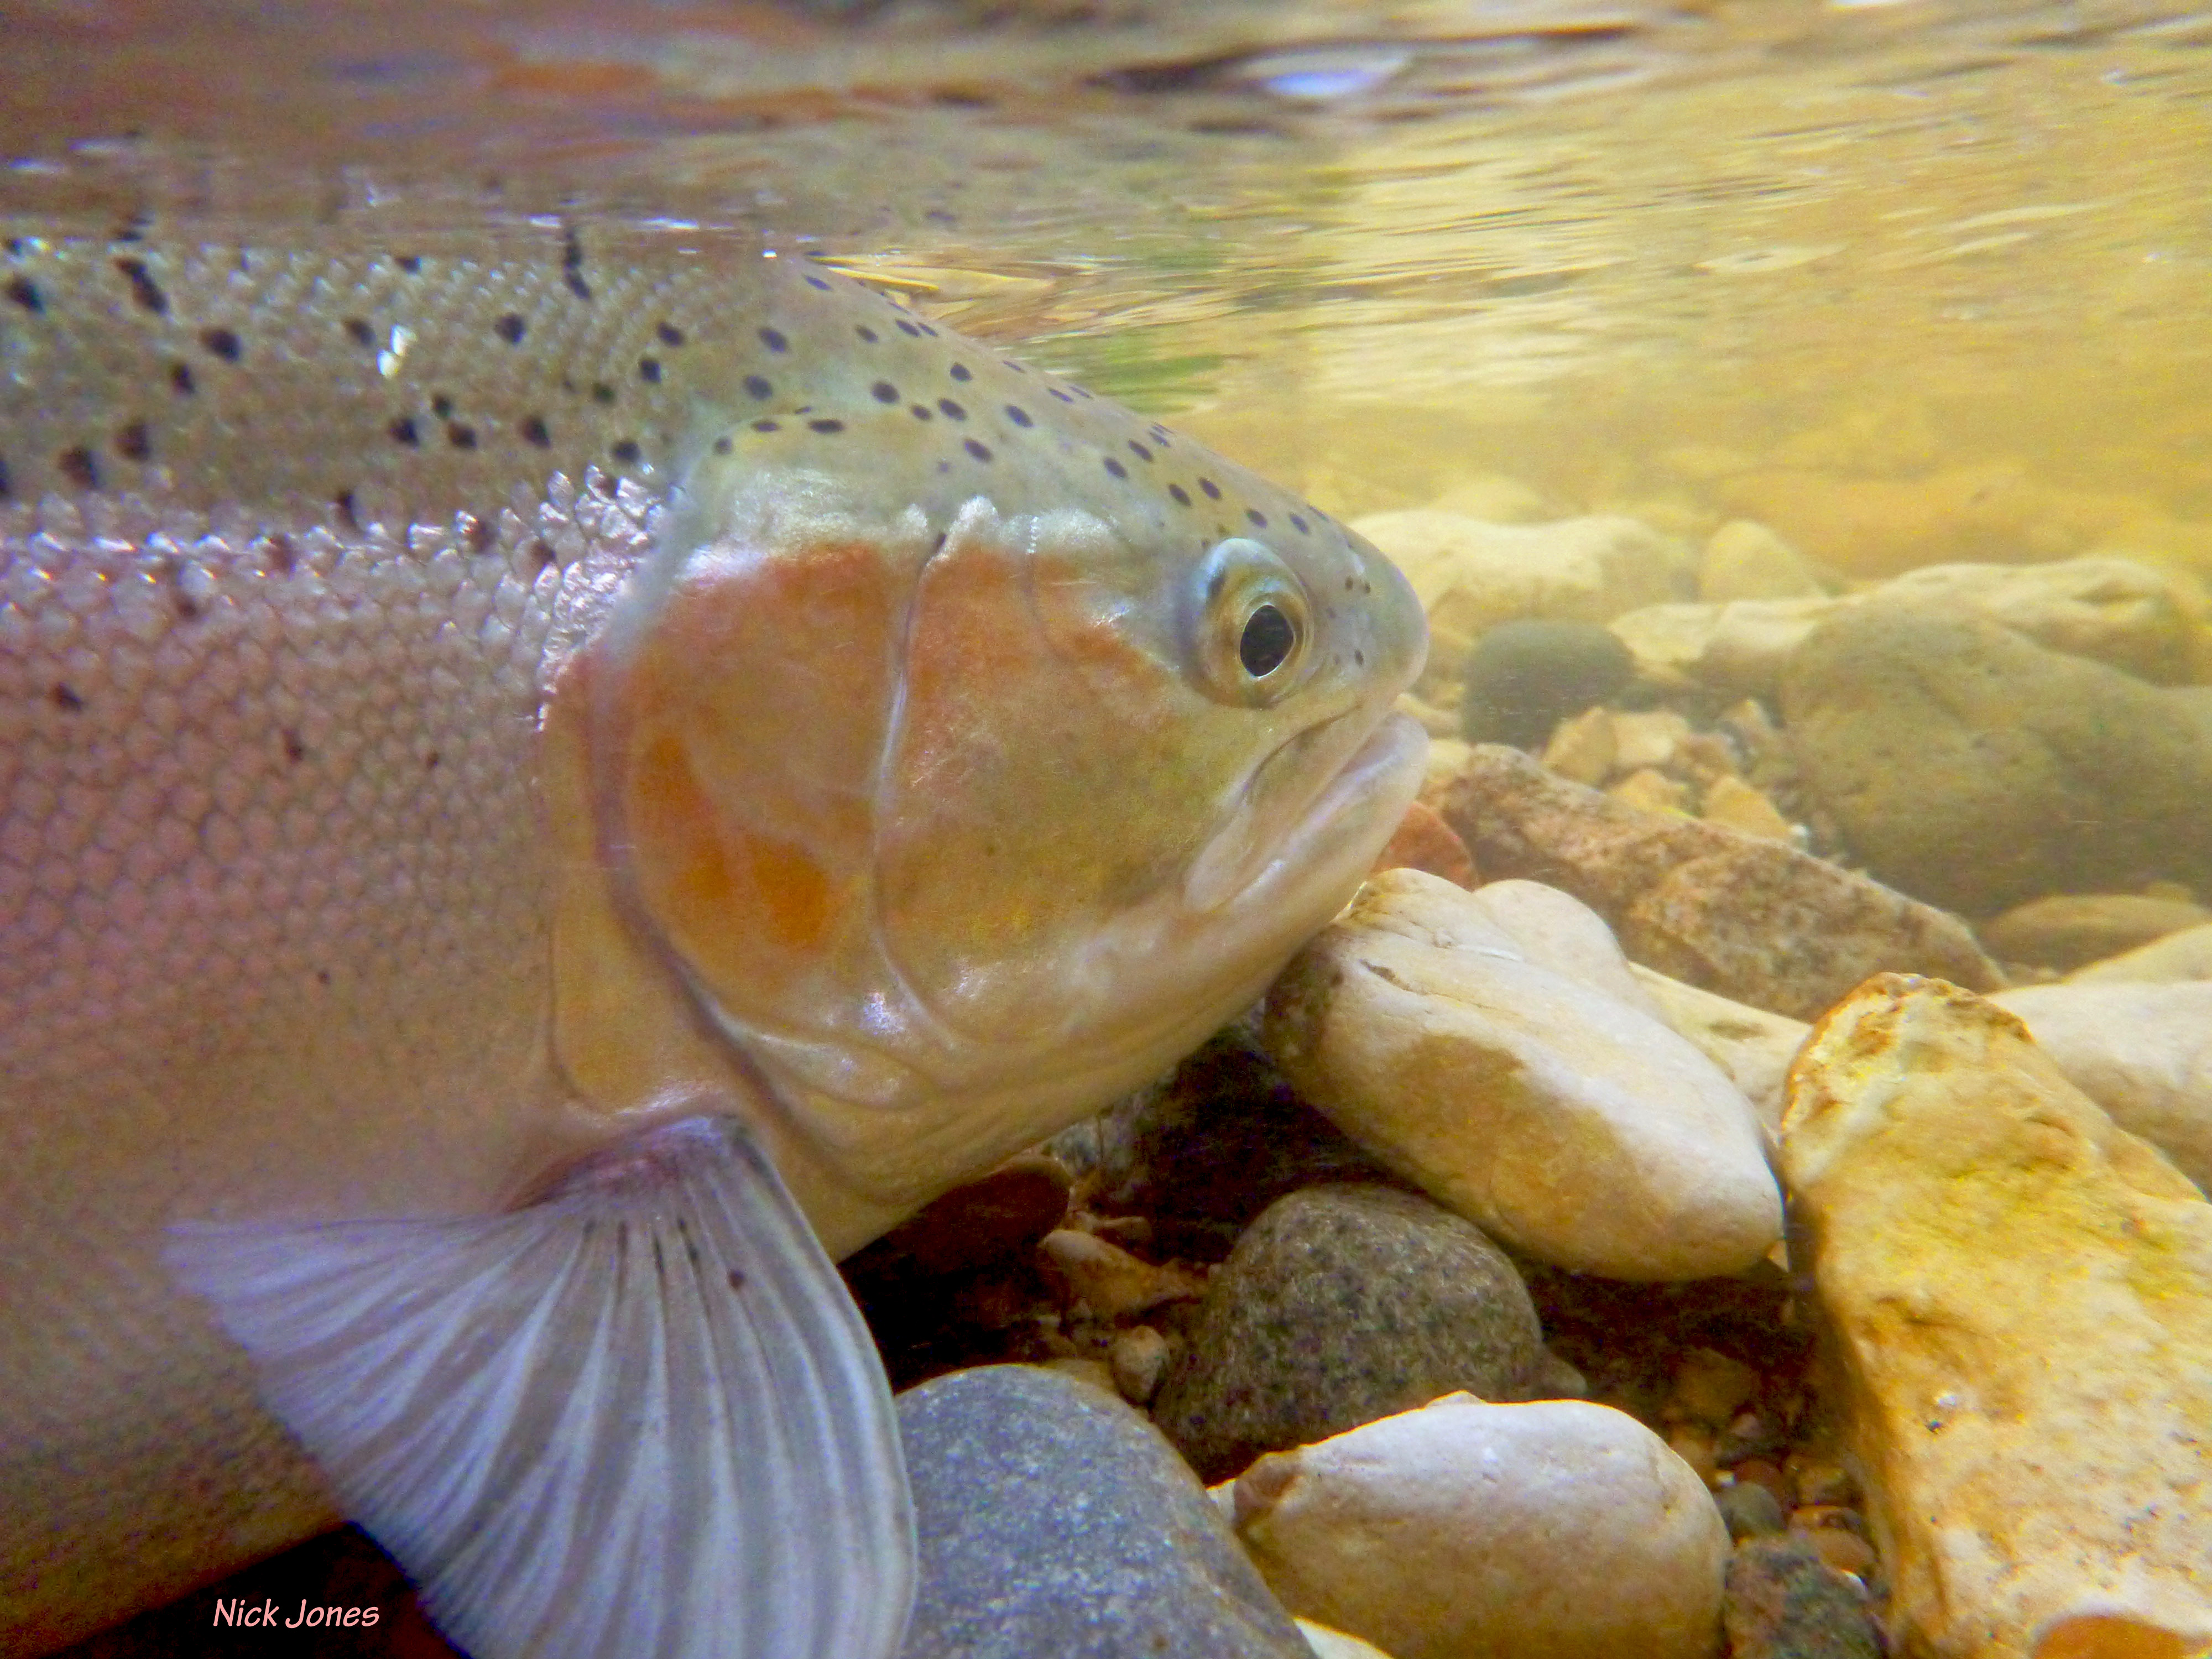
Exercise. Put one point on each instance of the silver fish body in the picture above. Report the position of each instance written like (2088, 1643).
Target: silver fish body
(390, 635)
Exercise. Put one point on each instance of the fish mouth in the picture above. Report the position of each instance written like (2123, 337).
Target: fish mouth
(1342, 822)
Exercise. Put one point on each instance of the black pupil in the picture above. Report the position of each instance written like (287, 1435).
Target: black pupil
(1268, 640)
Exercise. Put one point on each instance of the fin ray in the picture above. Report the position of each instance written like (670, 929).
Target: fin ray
(639, 1416)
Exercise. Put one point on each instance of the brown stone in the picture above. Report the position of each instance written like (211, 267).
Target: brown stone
(1423, 841)
(1750, 918)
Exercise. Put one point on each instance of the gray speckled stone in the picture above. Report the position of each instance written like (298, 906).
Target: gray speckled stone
(1342, 1304)
(1056, 1523)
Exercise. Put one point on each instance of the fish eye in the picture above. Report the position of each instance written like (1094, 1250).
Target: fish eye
(1253, 623)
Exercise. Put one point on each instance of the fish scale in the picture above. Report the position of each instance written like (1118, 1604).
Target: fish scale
(298, 545)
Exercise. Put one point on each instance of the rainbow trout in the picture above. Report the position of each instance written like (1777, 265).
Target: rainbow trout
(551, 783)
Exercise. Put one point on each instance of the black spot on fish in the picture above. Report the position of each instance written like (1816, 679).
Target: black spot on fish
(773, 340)
(6, 484)
(403, 431)
(866, 333)
(825, 426)
(181, 378)
(283, 557)
(922, 411)
(409, 262)
(602, 392)
(884, 393)
(757, 386)
(1256, 516)
(541, 556)
(1182, 495)
(78, 466)
(342, 505)
(978, 451)
(134, 442)
(295, 747)
(65, 700)
(460, 435)
(143, 289)
(361, 333)
(737, 1278)
(959, 372)
(511, 328)
(24, 293)
(624, 450)
(908, 329)
(950, 411)
(572, 263)
(476, 532)
(534, 432)
(648, 370)
(1018, 415)
(1212, 489)
(768, 426)
(223, 343)
(815, 281)
(1014, 365)
(1140, 451)
(1116, 468)
(928, 329)
(1299, 525)
(1062, 395)
(442, 406)
(430, 760)
(322, 976)
(724, 444)
(669, 334)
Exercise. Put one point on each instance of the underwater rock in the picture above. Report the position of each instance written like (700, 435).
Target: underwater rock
(1749, 1510)
(2143, 1053)
(2116, 610)
(1753, 919)
(1555, 1530)
(1785, 1602)
(1977, 769)
(1423, 841)
(1493, 1048)
(1053, 1519)
(1341, 1305)
(1471, 575)
(1328, 1644)
(2186, 955)
(2076, 929)
(1745, 560)
(1522, 678)
(1108, 1280)
(2021, 1298)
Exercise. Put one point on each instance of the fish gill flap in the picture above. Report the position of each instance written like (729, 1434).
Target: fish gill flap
(638, 1416)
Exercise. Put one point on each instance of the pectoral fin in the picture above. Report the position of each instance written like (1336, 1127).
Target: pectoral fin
(639, 1416)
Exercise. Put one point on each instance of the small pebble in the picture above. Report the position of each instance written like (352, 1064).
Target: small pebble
(1750, 1511)
(1710, 1387)
(1139, 1358)
(1785, 1602)
(1114, 1284)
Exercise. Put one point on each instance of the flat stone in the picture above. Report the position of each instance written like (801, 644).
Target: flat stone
(1974, 768)
(1471, 575)
(2072, 930)
(1750, 918)
(2143, 1053)
(1339, 1305)
(2021, 1294)
(2118, 611)
(2184, 956)
(1493, 1048)
(1557, 1530)
(1053, 1519)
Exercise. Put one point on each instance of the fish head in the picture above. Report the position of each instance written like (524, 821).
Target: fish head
(965, 793)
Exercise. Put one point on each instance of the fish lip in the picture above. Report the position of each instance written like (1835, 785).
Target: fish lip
(1393, 752)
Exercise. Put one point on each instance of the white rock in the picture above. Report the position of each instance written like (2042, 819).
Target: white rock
(2186, 955)
(1745, 560)
(1752, 1045)
(1497, 1051)
(1471, 575)
(1464, 1530)
(2142, 1052)
(1328, 1644)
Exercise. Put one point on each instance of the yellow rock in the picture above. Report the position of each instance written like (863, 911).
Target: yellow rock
(1583, 748)
(2021, 1295)
(1651, 791)
(1736, 803)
